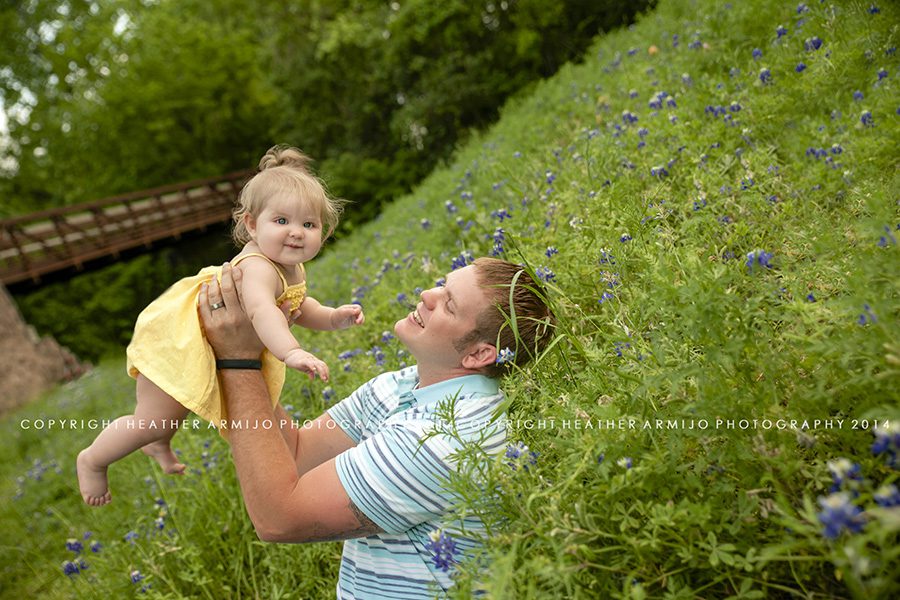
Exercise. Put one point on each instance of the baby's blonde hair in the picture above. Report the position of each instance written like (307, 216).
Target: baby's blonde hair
(284, 169)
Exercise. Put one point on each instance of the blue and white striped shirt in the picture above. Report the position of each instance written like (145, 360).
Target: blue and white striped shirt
(396, 477)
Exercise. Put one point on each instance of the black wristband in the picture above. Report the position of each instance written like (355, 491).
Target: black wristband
(227, 363)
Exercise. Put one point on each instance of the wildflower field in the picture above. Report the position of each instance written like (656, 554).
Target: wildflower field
(712, 198)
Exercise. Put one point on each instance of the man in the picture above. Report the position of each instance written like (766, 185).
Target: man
(367, 471)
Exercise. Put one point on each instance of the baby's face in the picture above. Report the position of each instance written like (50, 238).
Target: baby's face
(287, 231)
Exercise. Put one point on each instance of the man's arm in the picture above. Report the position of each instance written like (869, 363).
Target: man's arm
(283, 505)
(312, 444)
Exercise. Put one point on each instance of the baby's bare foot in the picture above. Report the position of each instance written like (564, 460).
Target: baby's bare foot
(162, 452)
(92, 481)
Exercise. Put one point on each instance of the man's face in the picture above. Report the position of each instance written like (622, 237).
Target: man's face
(444, 315)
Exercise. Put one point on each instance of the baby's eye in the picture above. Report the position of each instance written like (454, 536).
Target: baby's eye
(309, 225)
(281, 221)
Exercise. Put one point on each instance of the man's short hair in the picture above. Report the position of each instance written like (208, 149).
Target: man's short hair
(528, 315)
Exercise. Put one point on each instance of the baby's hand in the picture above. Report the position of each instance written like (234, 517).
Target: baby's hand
(304, 361)
(347, 315)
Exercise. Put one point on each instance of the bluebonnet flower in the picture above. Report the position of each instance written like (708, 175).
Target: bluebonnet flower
(501, 214)
(600, 458)
(74, 545)
(802, 8)
(328, 394)
(606, 258)
(810, 297)
(746, 184)
(882, 73)
(887, 240)
(467, 195)
(760, 258)
(858, 95)
(812, 44)
(545, 274)
(443, 549)
(757, 54)
(867, 119)
(642, 132)
(159, 523)
(136, 576)
(735, 107)
(378, 354)
(842, 471)
(629, 117)
(695, 45)
(887, 496)
(867, 316)
(69, 568)
(698, 204)
(873, 10)
(550, 177)
(659, 171)
(347, 354)
(618, 348)
(426, 224)
(887, 441)
(386, 337)
(800, 67)
(451, 208)
(504, 356)
(131, 536)
(605, 297)
(624, 462)
(670, 102)
(780, 31)
(519, 452)
(686, 80)
(464, 258)
(836, 149)
(550, 251)
(625, 238)
(765, 75)
(838, 514)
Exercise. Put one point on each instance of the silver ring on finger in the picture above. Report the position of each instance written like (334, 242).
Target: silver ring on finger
(217, 305)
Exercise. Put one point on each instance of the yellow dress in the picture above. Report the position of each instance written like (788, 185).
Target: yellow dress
(169, 348)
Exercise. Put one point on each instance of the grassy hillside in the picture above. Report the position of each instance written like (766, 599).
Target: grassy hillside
(712, 200)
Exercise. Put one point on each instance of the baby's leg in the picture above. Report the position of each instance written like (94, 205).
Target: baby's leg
(151, 426)
(157, 406)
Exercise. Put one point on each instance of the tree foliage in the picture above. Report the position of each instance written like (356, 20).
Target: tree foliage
(108, 97)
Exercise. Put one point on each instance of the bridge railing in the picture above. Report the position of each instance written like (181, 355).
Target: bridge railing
(50, 240)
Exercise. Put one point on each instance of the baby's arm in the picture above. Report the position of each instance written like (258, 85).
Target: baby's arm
(258, 286)
(324, 318)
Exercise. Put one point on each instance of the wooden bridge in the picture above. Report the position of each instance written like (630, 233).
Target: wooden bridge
(52, 240)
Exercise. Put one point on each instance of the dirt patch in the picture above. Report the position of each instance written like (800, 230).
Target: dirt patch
(29, 363)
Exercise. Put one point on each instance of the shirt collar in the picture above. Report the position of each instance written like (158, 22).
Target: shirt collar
(467, 384)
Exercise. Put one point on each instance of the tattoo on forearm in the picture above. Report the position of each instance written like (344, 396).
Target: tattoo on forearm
(366, 526)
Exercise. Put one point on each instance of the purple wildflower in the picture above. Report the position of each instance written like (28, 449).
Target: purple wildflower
(765, 75)
(812, 44)
(887, 496)
(757, 54)
(800, 67)
(882, 73)
(69, 568)
(519, 452)
(545, 274)
(443, 549)
(504, 356)
(780, 31)
(838, 514)
(550, 251)
(74, 545)
(760, 258)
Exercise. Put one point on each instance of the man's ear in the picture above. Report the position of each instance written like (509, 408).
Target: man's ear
(479, 355)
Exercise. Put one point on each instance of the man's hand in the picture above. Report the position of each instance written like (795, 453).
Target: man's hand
(227, 327)
(347, 315)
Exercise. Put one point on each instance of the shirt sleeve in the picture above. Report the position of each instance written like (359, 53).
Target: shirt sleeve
(396, 479)
(353, 412)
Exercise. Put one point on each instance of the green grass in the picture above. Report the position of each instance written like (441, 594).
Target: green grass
(687, 334)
